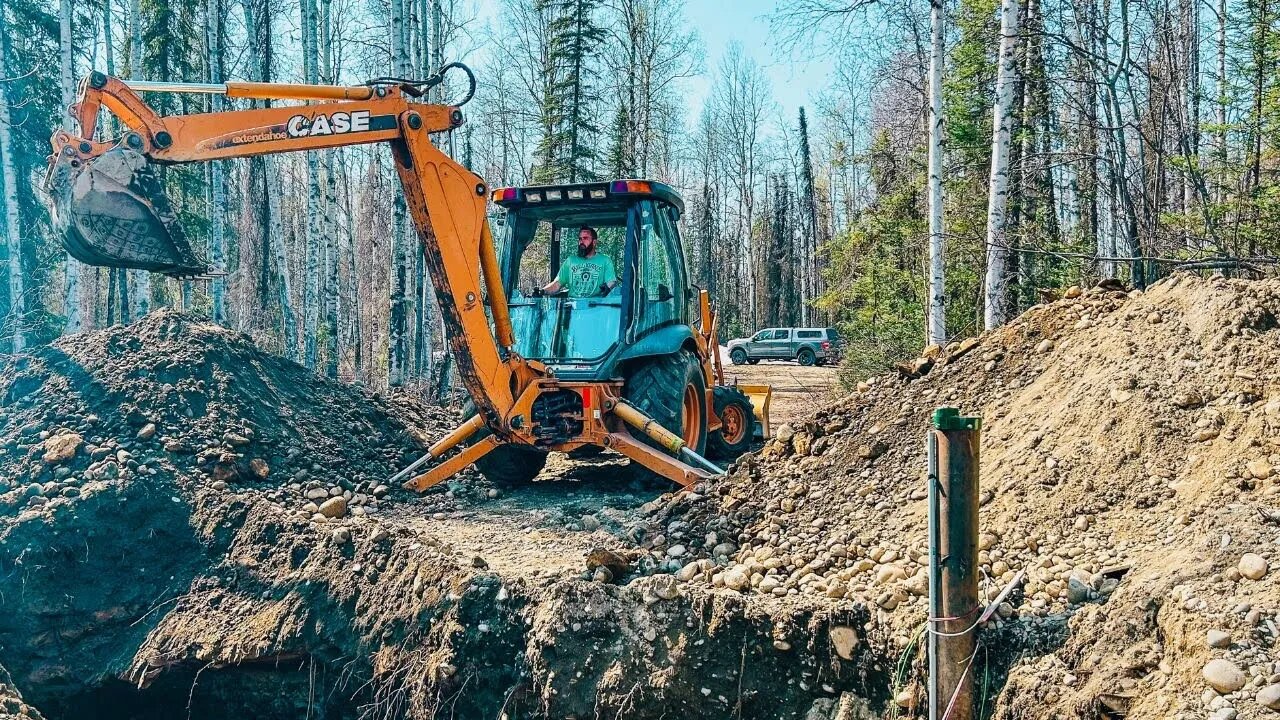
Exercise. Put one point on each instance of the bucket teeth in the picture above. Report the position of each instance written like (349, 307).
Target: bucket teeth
(112, 211)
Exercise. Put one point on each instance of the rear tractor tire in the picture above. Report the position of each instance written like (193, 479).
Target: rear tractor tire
(507, 466)
(671, 389)
(737, 424)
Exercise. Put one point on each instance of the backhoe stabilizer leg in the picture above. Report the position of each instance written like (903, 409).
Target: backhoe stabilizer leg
(660, 463)
(458, 435)
(636, 418)
(453, 465)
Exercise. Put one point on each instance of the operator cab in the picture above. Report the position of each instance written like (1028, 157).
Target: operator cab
(636, 226)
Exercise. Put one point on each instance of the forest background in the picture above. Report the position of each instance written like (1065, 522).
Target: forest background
(1078, 140)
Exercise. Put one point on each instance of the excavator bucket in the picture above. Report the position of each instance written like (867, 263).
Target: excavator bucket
(112, 211)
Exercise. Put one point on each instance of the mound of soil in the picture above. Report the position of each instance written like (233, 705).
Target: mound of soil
(1130, 457)
(190, 525)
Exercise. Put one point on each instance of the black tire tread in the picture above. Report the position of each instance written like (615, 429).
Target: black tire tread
(656, 387)
(717, 447)
(506, 466)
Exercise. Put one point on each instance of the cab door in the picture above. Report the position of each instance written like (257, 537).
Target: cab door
(780, 345)
(661, 288)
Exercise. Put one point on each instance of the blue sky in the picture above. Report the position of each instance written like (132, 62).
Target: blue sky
(796, 80)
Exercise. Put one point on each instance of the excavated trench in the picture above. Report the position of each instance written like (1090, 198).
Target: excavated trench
(222, 609)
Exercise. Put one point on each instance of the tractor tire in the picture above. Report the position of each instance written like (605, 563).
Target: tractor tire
(738, 356)
(806, 357)
(672, 390)
(738, 424)
(506, 466)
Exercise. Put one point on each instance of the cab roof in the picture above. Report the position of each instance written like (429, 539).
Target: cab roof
(586, 194)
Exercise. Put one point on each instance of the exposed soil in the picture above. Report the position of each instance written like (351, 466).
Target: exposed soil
(172, 539)
(190, 525)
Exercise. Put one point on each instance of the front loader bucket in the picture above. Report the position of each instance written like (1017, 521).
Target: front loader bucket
(759, 395)
(112, 211)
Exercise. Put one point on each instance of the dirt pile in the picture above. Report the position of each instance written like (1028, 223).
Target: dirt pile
(1129, 466)
(189, 525)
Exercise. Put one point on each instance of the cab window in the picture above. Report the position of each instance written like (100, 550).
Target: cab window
(661, 289)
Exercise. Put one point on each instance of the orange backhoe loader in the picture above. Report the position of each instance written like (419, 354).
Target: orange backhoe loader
(625, 369)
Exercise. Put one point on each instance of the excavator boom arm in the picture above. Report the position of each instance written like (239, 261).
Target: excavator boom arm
(447, 201)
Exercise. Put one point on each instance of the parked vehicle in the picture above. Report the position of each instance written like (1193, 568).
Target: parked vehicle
(807, 346)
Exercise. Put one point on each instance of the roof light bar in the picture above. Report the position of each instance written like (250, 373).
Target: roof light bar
(507, 194)
(575, 194)
(598, 193)
(534, 197)
(630, 186)
(554, 195)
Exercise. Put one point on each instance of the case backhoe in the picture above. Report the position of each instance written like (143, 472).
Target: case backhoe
(627, 370)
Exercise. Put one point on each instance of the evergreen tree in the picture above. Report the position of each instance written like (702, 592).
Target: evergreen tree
(575, 37)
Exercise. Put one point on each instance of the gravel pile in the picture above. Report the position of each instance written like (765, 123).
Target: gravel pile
(1130, 456)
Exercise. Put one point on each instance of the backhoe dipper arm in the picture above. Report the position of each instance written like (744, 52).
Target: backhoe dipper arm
(447, 201)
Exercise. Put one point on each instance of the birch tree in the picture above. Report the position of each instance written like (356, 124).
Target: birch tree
(332, 292)
(72, 269)
(139, 279)
(217, 191)
(937, 320)
(12, 216)
(399, 341)
(258, 23)
(996, 308)
(311, 269)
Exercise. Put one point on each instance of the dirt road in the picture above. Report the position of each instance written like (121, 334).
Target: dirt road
(797, 390)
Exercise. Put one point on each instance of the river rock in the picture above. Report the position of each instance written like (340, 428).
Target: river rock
(1269, 697)
(1253, 566)
(334, 507)
(1223, 676)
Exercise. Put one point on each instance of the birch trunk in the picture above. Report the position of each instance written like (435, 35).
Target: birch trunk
(72, 269)
(398, 322)
(12, 219)
(217, 171)
(937, 331)
(333, 349)
(996, 310)
(311, 269)
(141, 279)
(1220, 104)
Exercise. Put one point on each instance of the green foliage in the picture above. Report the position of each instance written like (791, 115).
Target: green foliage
(969, 86)
(875, 288)
(567, 153)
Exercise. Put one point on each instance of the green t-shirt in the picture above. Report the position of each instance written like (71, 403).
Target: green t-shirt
(584, 276)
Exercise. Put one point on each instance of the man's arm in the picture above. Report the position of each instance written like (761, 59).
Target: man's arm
(561, 279)
(610, 276)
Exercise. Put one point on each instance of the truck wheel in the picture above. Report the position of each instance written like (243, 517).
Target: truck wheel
(507, 466)
(806, 357)
(672, 390)
(738, 356)
(738, 424)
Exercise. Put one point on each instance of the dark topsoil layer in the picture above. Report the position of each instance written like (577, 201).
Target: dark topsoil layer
(154, 563)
